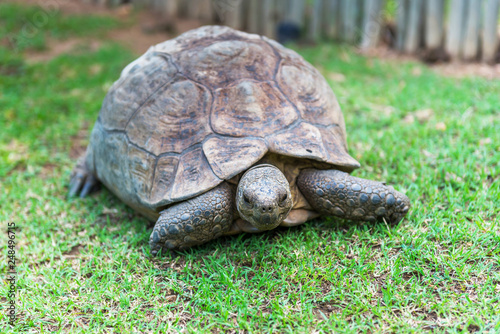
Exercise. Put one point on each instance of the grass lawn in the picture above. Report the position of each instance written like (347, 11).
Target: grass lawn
(84, 265)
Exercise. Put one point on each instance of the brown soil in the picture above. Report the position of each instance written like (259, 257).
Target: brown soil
(148, 29)
(79, 142)
(460, 70)
(58, 47)
(70, 7)
(451, 69)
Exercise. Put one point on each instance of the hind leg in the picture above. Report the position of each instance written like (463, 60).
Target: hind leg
(82, 180)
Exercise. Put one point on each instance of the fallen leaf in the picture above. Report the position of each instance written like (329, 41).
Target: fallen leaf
(124, 10)
(441, 126)
(428, 154)
(423, 115)
(417, 71)
(386, 110)
(171, 298)
(108, 211)
(344, 56)
(409, 119)
(337, 77)
(453, 177)
(95, 69)
(31, 194)
(484, 141)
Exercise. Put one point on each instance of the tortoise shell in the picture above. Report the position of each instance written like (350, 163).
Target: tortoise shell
(204, 107)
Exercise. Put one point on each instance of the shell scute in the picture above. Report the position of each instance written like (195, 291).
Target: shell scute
(203, 36)
(304, 141)
(163, 181)
(227, 156)
(225, 61)
(138, 81)
(334, 141)
(310, 92)
(127, 170)
(193, 177)
(173, 119)
(251, 108)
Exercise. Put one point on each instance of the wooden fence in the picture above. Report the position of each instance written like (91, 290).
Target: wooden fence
(461, 29)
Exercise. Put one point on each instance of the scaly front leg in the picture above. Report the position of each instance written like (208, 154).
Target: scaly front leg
(333, 192)
(195, 221)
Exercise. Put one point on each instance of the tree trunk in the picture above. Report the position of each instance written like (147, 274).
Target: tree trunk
(280, 10)
(471, 35)
(206, 13)
(434, 24)
(331, 18)
(254, 24)
(490, 33)
(234, 15)
(401, 20)
(413, 33)
(455, 27)
(269, 26)
(295, 13)
(171, 8)
(192, 8)
(314, 32)
(372, 23)
(349, 20)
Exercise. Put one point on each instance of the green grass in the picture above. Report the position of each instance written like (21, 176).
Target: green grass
(84, 265)
(29, 27)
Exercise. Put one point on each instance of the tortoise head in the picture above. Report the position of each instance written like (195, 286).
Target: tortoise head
(263, 197)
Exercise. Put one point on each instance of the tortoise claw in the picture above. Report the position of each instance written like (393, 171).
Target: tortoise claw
(75, 184)
(90, 183)
(82, 180)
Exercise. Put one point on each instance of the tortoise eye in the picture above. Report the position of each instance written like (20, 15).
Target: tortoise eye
(284, 197)
(246, 199)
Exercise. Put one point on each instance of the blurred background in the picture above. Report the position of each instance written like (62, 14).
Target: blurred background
(433, 30)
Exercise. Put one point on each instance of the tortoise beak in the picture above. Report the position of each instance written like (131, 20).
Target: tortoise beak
(266, 221)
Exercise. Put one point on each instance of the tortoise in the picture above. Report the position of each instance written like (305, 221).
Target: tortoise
(218, 132)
